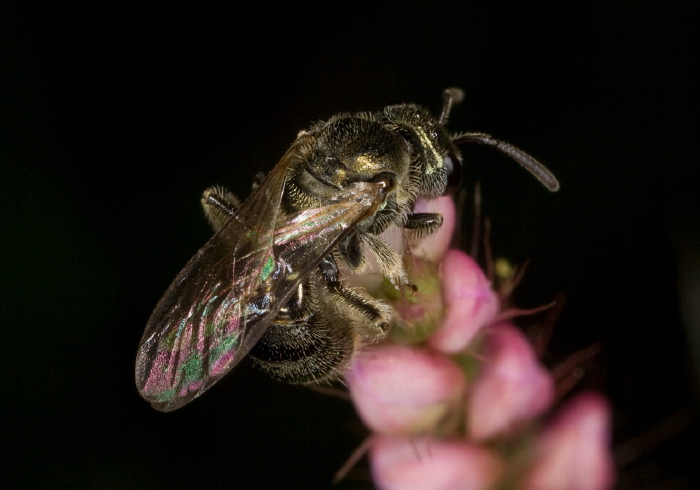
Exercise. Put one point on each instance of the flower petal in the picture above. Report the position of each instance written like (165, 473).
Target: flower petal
(511, 387)
(410, 463)
(399, 389)
(573, 452)
(470, 303)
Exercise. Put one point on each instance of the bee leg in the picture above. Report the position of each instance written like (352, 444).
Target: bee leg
(389, 261)
(351, 249)
(376, 316)
(258, 180)
(329, 271)
(424, 224)
(219, 206)
(370, 316)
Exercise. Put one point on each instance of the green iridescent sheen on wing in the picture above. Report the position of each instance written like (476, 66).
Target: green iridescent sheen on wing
(268, 268)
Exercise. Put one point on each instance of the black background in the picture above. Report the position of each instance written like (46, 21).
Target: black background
(115, 117)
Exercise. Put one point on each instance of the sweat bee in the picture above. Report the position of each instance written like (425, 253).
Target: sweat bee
(269, 284)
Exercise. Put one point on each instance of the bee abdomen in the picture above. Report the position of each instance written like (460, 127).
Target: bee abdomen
(304, 351)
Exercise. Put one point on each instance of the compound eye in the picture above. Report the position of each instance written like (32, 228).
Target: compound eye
(453, 167)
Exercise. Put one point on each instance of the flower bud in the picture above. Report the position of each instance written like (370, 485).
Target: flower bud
(573, 452)
(409, 463)
(470, 303)
(399, 389)
(511, 387)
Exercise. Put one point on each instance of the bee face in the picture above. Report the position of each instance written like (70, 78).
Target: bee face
(436, 159)
(271, 282)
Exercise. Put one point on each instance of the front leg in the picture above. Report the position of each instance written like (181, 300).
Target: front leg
(424, 224)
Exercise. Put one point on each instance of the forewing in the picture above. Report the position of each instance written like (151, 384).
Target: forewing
(220, 304)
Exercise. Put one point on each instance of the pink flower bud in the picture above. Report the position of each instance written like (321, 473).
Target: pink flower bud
(470, 303)
(404, 390)
(433, 247)
(409, 463)
(511, 387)
(573, 452)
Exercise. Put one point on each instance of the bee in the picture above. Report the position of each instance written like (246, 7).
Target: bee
(270, 283)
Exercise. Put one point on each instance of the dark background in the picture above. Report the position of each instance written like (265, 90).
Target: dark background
(116, 117)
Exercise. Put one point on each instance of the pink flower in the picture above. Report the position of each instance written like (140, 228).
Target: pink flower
(573, 452)
(454, 398)
(511, 387)
(412, 463)
(470, 303)
(399, 389)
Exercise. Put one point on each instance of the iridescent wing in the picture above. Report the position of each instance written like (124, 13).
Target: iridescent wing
(222, 301)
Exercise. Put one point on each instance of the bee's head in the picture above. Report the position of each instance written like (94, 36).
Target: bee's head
(435, 160)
